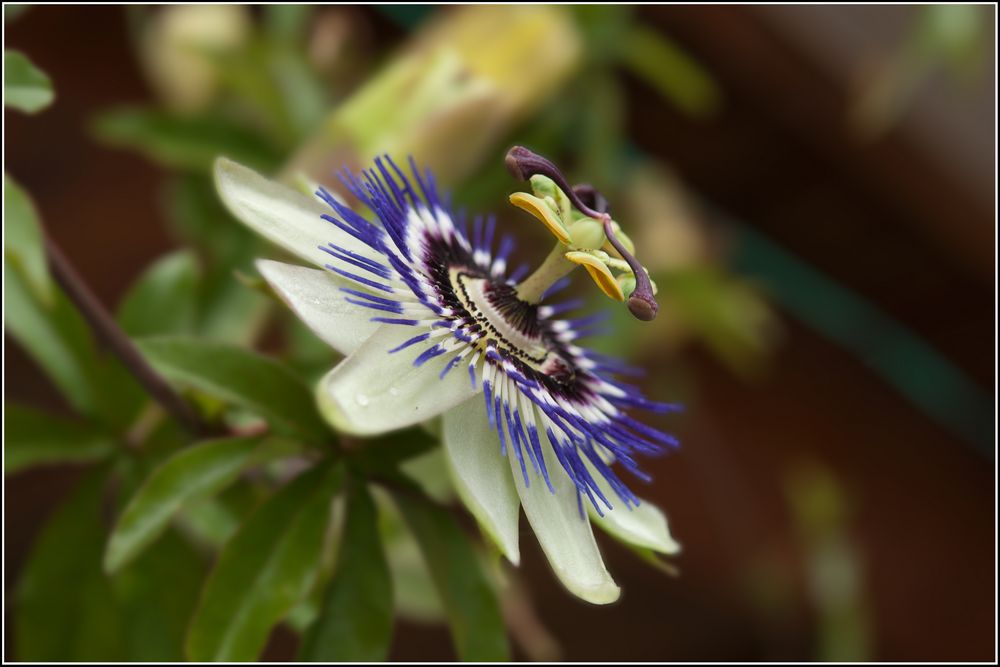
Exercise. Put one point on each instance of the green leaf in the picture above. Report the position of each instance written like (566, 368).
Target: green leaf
(269, 565)
(226, 309)
(287, 24)
(162, 300)
(473, 610)
(59, 341)
(66, 609)
(23, 241)
(238, 376)
(670, 71)
(183, 142)
(199, 218)
(156, 595)
(13, 12)
(355, 622)
(193, 473)
(25, 87)
(730, 316)
(32, 437)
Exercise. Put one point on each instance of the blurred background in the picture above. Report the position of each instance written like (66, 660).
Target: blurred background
(812, 188)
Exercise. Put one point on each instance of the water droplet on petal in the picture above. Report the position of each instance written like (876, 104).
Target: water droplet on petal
(361, 399)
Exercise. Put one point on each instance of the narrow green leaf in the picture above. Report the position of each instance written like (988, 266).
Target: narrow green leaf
(670, 71)
(162, 301)
(226, 309)
(66, 609)
(414, 594)
(59, 341)
(156, 595)
(23, 242)
(244, 378)
(264, 570)
(25, 87)
(199, 218)
(473, 610)
(56, 338)
(355, 621)
(13, 12)
(191, 474)
(287, 24)
(183, 142)
(32, 438)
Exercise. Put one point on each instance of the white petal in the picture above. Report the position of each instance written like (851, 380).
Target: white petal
(314, 295)
(565, 536)
(284, 216)
(374, 391)
(644, 526)
(481, 474)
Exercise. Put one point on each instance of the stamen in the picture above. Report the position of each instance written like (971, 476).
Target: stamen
(641, 303)
(523, 164)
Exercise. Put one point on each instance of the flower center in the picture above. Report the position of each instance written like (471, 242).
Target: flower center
(509, 324)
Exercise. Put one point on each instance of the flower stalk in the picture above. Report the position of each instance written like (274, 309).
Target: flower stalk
(115, 340)
(554, 267)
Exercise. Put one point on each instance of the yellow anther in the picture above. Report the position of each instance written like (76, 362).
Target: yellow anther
(599, 273)
(541, 210)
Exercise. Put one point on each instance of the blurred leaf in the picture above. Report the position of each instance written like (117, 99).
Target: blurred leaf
(296, 83)
(25, 87)
(212, 521)
(601, 136)
(834, 569)
(239, 376)
(727, 314)
(184, 142)
(156, 596)
(230, 311)
(387, 452)
(670, 71)
(473, 610)
(303, 614)
(32, 437)
(247, 75)
(287, 23)
(268, 566)
(604, 27)
(192, 473)
(955, 35)
(59, 341)
(23, 240)
(162, 300)
(12, 12)
(226, 309)
(309, 355)
(430, 471)
(66, 609)
(414, 594)
(303, 93)
(355, 622)
(199, 218)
